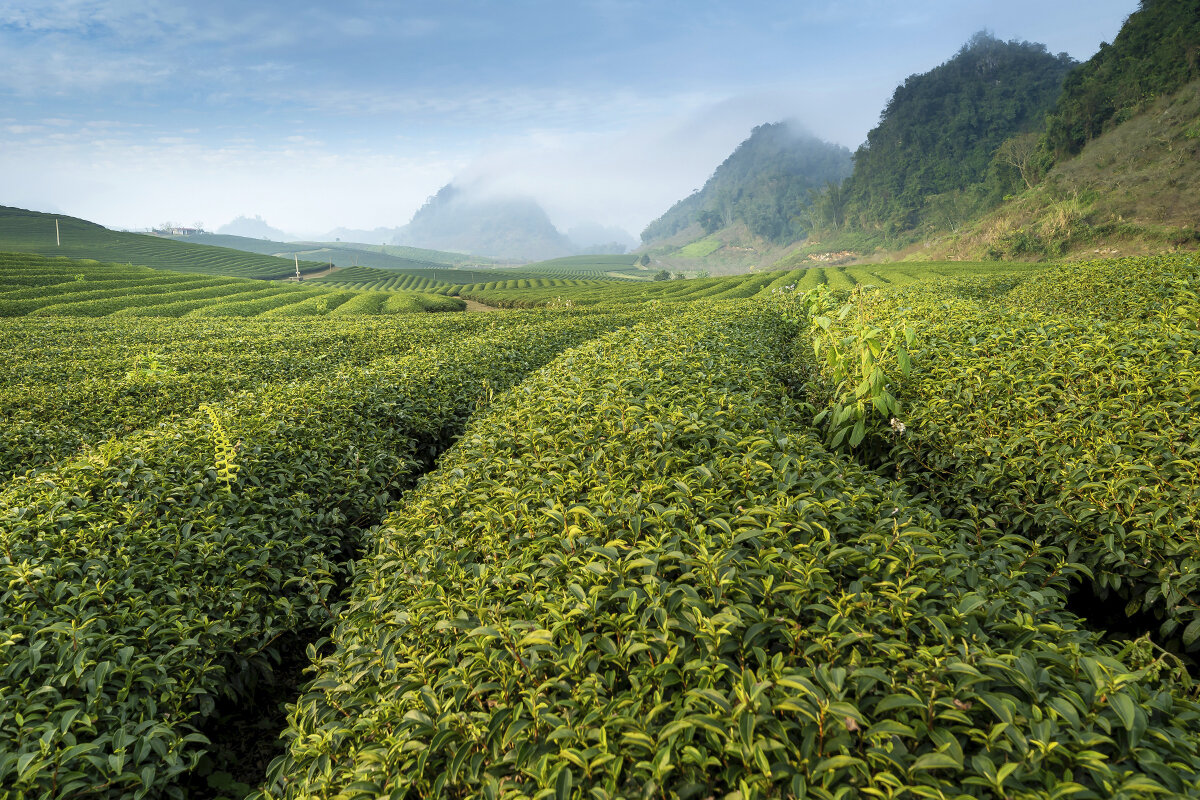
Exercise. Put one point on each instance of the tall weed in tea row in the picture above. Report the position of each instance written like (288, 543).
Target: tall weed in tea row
(853, 366)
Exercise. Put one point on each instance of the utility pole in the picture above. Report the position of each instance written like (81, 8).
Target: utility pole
(297, 257)
(57, 237)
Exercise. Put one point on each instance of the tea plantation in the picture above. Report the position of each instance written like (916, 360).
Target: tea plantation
(928, 531)
(58, 287)
(56, 235)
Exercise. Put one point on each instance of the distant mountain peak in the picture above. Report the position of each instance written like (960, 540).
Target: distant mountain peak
(499, 226)
(254, 228)
(764, 184)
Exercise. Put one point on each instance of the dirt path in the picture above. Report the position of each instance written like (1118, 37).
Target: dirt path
(473, 305)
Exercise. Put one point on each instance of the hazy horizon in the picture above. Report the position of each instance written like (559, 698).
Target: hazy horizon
(322, 116)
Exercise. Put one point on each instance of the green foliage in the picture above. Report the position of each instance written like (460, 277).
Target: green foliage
(939, 132)
(765, 183)
(856, 365)
(640, 574)
(1057, 403)
(136, 588)
(1156, 52)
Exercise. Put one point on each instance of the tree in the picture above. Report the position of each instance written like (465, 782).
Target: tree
(644, 260)
(828, 206)
(662, 275)
(710, 220)
(1022, 154)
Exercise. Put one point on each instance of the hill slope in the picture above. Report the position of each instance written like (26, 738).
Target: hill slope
(1124, 145)
(31, 285)
(1156, 52)
(338, 254)
(1133, 189)
(34, 232)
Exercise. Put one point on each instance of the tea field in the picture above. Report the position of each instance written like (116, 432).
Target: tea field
(888, 531)
(69, 237)
(56, 287)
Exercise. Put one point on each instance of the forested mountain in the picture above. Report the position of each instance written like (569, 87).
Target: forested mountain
(1156, 52)
(765, 184)
(499, 227)
(938, 134)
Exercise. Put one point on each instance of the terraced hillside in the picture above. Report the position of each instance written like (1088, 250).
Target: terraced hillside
(585, 267)
(372, 278)
(525, 288)
(331, 253)
(33, 232)
(54, 287)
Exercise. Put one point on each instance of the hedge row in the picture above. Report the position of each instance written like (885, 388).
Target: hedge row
(1062, 404)
(641, 575)
(149, 576)
(69, 383)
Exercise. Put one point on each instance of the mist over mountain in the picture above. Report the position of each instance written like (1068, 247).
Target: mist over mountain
(590, 238)
(765, 184)
(254, 228)
(360, 235)
(496, 226)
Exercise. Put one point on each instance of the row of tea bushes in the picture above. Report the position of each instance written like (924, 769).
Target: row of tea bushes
(513, 294)
(68, 383)
(150, 575)
(32, 285)
(641, 575)
(1064, 404)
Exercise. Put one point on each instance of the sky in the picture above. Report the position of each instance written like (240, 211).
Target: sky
(350, 114)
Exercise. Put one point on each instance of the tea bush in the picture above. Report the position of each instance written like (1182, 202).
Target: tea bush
(640, 574)
(146, 577)
(1063, 403)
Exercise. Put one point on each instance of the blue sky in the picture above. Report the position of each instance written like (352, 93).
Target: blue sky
(317, 115)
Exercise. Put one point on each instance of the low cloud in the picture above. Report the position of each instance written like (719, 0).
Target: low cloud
(629, 177)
